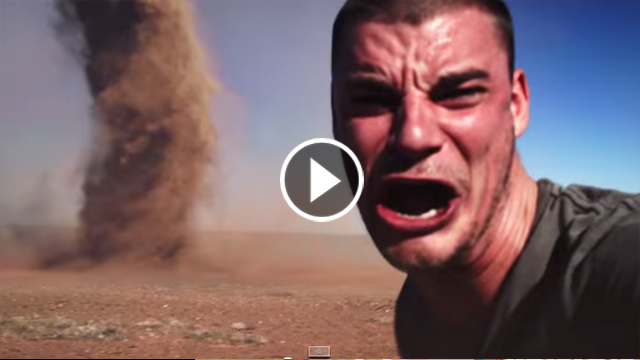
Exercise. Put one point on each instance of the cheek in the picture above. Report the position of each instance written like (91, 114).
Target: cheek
(482, 139)
(472, 135)
(368, 138)
(479, 132)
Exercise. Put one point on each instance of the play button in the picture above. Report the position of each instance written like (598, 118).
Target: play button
(321, 180)
(315, 183)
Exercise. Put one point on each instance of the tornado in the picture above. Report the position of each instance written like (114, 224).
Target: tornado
(153, 138)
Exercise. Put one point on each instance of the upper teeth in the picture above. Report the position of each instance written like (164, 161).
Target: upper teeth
(429, 214)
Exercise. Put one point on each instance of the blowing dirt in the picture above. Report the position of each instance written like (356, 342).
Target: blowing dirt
(153, 137)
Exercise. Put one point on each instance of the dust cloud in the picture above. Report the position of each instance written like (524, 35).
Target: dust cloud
(153, 139)
(153, 146)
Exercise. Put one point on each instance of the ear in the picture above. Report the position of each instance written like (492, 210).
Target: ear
(520, 102)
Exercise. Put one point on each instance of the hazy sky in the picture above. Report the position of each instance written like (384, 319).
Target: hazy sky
(581, 57)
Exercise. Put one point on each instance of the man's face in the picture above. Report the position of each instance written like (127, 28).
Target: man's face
(427, 109)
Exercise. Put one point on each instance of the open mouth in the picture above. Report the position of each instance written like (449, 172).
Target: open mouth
(416, 203)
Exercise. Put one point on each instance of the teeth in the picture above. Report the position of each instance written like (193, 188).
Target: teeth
(429, 214)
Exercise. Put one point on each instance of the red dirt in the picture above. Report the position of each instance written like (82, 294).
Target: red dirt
(344, 301)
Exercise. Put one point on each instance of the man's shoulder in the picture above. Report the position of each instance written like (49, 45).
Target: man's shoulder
(595, 232)
(606, 282)
(618, 252)
(600, 228)
(586, 214)
(586, 197)
(613, 265)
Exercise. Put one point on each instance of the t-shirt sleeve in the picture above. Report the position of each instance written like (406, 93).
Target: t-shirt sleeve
(611, 305)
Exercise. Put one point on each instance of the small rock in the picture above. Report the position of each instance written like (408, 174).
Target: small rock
(149, 324)
(260, 340)
(237, 338)
(383, 320)
(239, 326)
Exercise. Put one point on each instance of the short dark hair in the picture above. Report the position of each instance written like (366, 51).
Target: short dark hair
(414, 12)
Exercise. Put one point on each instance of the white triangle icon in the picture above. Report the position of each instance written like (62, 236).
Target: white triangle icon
(321, 180)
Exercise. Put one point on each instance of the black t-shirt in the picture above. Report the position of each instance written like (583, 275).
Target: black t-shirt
(573, 292)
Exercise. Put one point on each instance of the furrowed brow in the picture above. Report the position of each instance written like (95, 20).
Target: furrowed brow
(365, 73)
(362, 82)
(456, 79)
(368, 81)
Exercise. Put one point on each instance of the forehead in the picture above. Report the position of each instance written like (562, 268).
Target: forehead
(448, 41)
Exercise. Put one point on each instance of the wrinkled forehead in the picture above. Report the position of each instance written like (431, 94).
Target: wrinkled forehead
(443, 42)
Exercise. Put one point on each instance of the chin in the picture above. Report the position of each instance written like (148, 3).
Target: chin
(426, 252)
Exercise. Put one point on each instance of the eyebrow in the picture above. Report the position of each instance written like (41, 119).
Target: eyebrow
(372, 83)
(453, 80)
(372, 77)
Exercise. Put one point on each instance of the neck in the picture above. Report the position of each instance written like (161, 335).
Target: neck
(464, 294)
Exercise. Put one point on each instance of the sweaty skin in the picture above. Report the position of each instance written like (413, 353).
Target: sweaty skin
(436, 102)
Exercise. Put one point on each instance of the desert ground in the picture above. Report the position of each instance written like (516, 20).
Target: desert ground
(244, 295)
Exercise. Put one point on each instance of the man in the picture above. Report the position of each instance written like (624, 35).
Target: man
(426, 94)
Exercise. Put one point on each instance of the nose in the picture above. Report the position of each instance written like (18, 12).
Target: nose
(416, 131)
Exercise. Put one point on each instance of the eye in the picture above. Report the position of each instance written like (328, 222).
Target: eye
(374, 99)
(372, 104)
(460, 98)
(466, 92)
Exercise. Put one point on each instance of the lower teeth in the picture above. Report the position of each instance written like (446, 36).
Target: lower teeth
(429, 214)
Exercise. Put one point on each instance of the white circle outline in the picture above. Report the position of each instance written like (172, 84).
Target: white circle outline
(344, 211)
